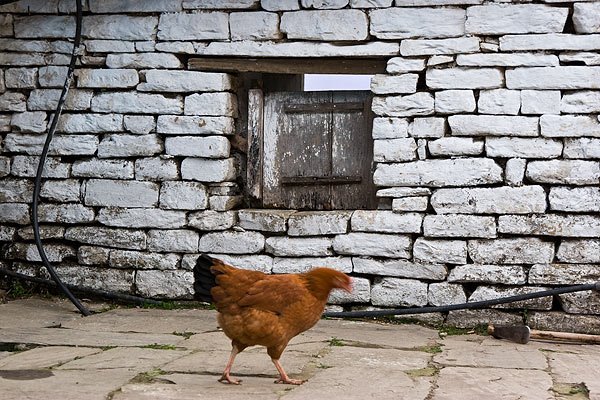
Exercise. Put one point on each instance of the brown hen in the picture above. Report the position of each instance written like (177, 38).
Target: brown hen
(266, 310)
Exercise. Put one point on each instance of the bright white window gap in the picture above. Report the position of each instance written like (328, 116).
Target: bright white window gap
(336, 82)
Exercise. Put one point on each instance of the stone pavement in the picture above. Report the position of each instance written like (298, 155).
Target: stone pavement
(48, 351)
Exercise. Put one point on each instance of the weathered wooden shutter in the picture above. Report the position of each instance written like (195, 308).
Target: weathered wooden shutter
(318, 150)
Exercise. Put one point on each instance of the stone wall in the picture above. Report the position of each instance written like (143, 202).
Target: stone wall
(486, 149)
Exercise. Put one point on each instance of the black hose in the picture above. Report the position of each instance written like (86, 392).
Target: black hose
(85, 290)
(463, 306)
(40, 169)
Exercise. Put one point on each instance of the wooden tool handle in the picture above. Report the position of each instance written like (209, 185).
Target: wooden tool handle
(567, 336)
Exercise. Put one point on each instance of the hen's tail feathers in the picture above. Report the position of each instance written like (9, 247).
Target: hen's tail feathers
(204, 280)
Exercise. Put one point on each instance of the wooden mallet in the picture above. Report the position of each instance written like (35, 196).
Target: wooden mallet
(522, 334)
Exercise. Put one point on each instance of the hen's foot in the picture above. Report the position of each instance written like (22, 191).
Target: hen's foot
(290, 381)
(229, 380)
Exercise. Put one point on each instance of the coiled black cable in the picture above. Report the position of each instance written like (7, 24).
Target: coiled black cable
(40, 169)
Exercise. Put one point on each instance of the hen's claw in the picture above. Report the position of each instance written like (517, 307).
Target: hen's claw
(290, 381)
(229, 380)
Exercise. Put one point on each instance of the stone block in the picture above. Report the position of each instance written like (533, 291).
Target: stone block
(139, 124)
(507, 60)
(143, 60)
(254, 26)
(324, 4)
(300, 265)
(515, 171)
(459, 225)
(489, 292)
(408, 204)
(110, 237)
(464, 78)
(224, 203)
(113, 193)
(394, 84)
(165, 284)
(208, 170)
(563, 274)
(47, 99)
(21, 78)
(493, 125)
(107, 78)
(122, 27)
(511, 251)
(173, 240)
(280, 5)
(430, 127)
(185, 81)
(393, 292)
(12, 101)
(581, 102)
(220, 4)
(15, 213)
(401, 65)
(586, 17)
(15, 191)
(122, 145)
(194, 26)
(65, 213)
(454, 101)
(386, 221)
(294, 247)
(98, 168)
(404, 106)
(500, 200)
(93, 255)
(211, 220)
(469, 318)
(499, 101)
(194, 125)
(578, 199)
(550, 225)
(132, 102)
(30, 122)
(63, 145)
(129, 259)
(195, 146)
(361, 293)
(582, 148)
(183, 196)
(430, 47)
(440, 251)
(155, 169)
(253, 262)
(142, 218)
(390, 128)
(373, 244)
(569, 126)
(54, 252)
(400, 268)
(217, 104)
(62, 191)
(264, 220)
(499, 19)
(26, 166)
(329, 25)
(443, 293)
(482, 273)
(90, 123)
(232, 242)
(314, 223)
(506, 147)
(7, 234)
(403, 192)
(455, 146)
(439, 173)
(562, 77)
(579, 251)
(394, 150)
(540, 101)
(583, 57)
(570, 172)
(109, 46)
(52, 76)
(587, 302)
(397, 23)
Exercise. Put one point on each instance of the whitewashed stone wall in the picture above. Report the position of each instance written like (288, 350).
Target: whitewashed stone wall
(486, 154)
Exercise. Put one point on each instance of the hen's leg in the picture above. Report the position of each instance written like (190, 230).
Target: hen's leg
(283, 376)
(226, 378)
